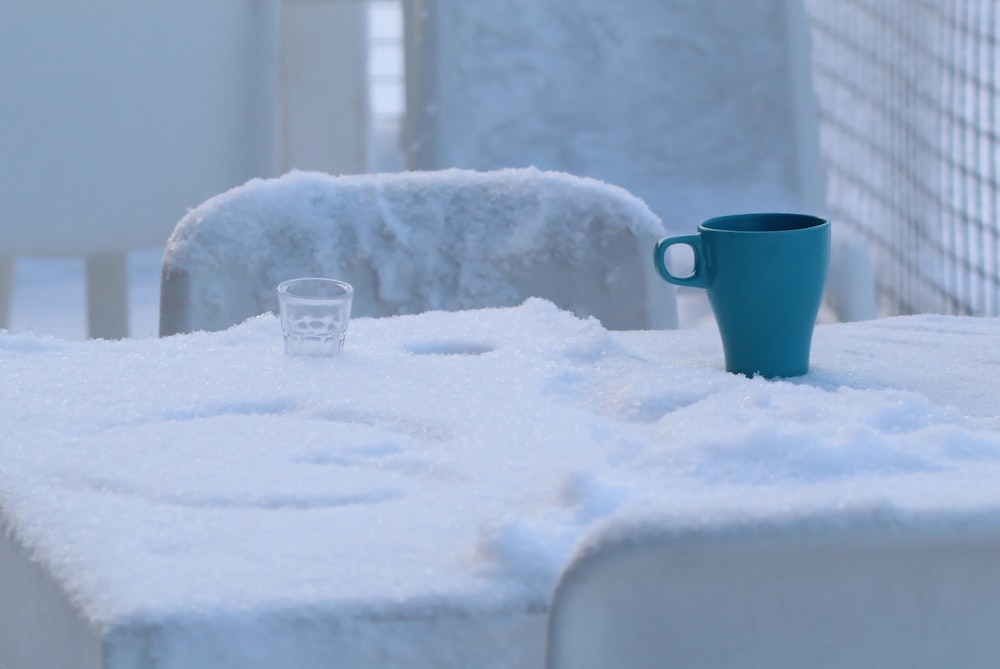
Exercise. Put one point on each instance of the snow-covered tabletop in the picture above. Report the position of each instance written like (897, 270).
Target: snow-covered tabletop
(204, 501)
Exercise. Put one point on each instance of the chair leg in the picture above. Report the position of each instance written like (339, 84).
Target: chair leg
(6, 289)
(107, 296)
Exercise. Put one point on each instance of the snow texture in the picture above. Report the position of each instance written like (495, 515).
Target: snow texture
(699, 107)
(419, 241)
(204, 490)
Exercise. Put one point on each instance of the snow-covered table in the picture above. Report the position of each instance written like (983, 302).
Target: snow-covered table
(204, 501)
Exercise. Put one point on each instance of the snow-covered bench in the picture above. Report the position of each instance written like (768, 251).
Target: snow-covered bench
(419, 241)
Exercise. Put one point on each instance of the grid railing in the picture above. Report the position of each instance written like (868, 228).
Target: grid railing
(908, 95)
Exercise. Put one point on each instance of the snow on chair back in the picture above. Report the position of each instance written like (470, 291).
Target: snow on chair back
(699, 108)
(419, 241)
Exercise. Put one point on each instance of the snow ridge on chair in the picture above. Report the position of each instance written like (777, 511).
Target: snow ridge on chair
(419, 241)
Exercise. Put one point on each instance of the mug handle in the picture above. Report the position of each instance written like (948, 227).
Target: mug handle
(697, 276)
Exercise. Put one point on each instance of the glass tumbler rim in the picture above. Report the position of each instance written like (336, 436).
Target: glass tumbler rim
(285, 288)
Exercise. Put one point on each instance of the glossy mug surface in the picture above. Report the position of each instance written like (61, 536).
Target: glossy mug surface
(765, 275)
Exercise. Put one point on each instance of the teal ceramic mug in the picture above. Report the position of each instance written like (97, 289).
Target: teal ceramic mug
(765, 275)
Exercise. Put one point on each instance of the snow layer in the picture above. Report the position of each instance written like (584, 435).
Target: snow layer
(418, 241)
(207, 489)
(695, 106)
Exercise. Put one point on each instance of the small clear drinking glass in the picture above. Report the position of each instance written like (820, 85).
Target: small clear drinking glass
(314, 315)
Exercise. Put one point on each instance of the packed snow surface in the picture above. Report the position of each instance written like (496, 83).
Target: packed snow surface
(453, 460)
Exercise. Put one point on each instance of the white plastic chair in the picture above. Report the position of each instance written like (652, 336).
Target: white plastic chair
(118, 116)
(849, 590)
(418, 241)
(700, 109)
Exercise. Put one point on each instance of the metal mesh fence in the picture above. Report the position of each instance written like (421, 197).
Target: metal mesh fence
(908, 96)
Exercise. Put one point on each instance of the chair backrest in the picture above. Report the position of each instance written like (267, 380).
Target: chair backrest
(419, 241)
(118, 116)
(699, 108)
(825, 593)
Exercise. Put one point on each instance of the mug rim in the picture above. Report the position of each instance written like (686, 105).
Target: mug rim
(808, 222)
